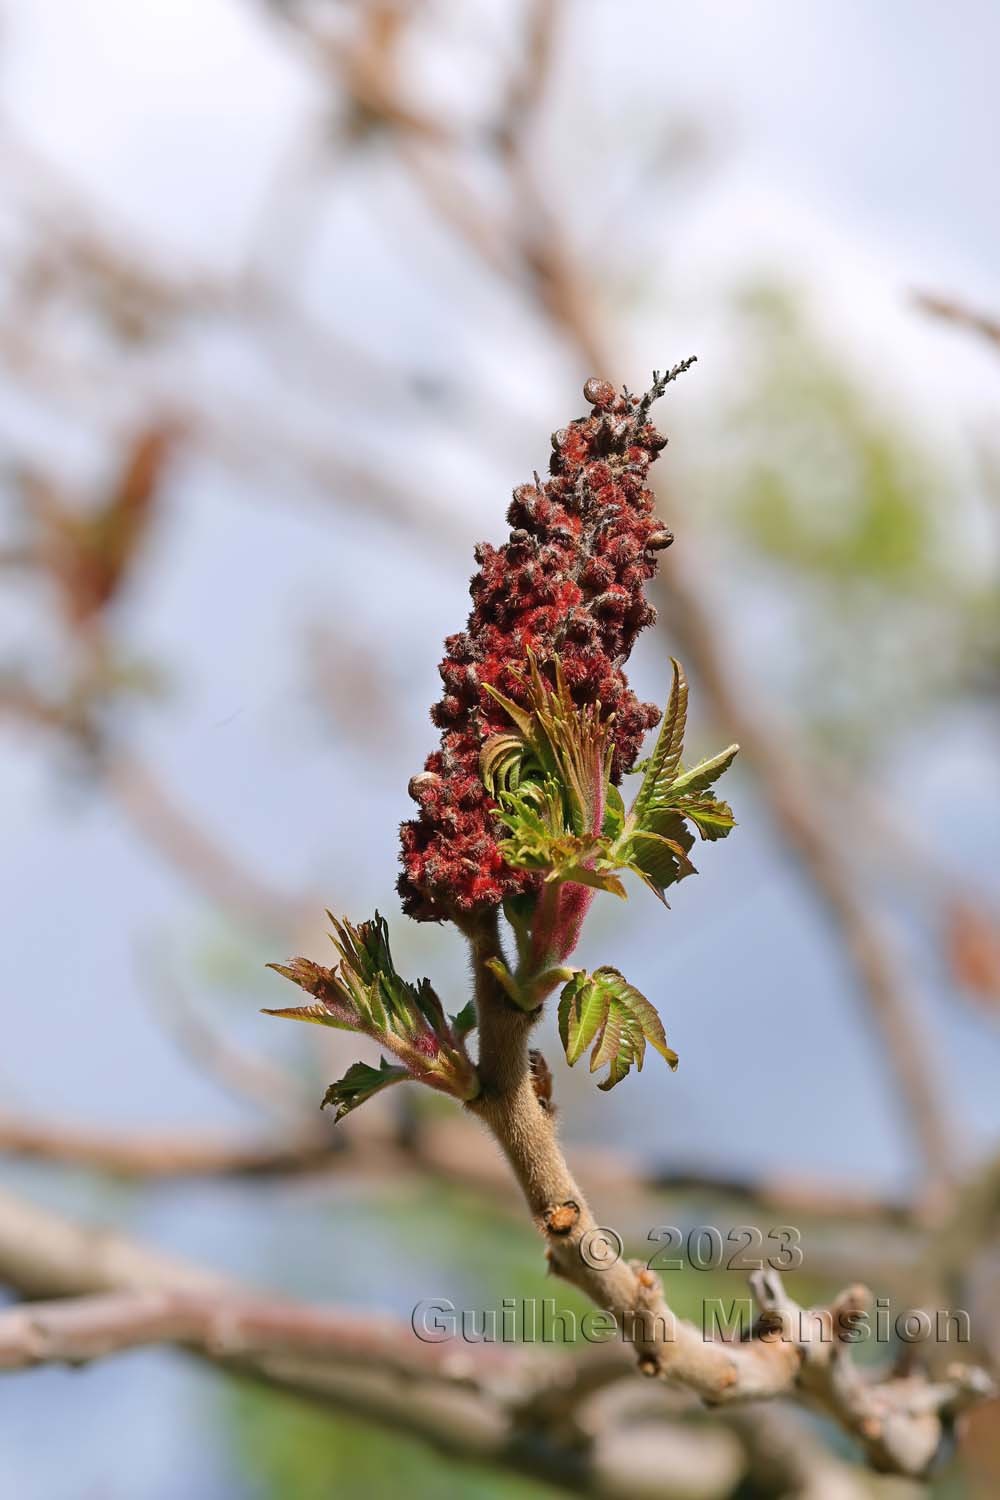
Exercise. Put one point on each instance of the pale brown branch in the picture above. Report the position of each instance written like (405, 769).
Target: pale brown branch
(230, 1325)
(899, 1423)
(529, 85)
(488, 1405)
(787, 1458)
(453, 1150)
(951, 310)
(163, 1154)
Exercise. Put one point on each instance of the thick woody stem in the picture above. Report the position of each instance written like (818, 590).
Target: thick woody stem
(899, 1423)
(507, 1103)
(576, 1247)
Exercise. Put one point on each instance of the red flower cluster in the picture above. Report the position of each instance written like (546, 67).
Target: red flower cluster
(568, 582)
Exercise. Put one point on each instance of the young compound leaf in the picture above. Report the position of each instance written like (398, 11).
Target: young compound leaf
(501, 762)
(550, 778)
(564, 820)
(661, 859)
(359, 1083)
(604, 1009)
(364, 993)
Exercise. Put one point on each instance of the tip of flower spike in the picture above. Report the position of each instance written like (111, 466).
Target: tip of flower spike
(569, 582)
(626, 417)
(602, 394)
(660, 383)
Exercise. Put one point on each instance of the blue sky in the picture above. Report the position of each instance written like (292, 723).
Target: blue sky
(850, 146)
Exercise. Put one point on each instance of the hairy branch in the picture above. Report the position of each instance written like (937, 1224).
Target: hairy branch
(900, 1423)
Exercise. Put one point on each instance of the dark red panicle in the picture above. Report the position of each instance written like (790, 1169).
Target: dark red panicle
(568, 582)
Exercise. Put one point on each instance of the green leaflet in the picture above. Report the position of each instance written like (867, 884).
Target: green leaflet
(654, 841)
(581, 1010)
(539, 838)
(665, 759)
(712, 818)
(703, 775)
(660, 859)
(604, 1009)
(358, 1085)
(614, 812)
(319, 1015)
(551, 782)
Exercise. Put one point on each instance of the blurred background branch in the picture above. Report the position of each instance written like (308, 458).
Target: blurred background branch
(249, 441)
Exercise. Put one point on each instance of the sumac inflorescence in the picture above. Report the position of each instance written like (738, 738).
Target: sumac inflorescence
(520, 806)
(568, 585)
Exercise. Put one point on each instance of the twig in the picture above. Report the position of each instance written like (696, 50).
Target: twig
(899, 1423)
(488, 1405)
(452, 1150)
(784, 782)
(953, 311)
(153, 1155)
(228, 1325)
